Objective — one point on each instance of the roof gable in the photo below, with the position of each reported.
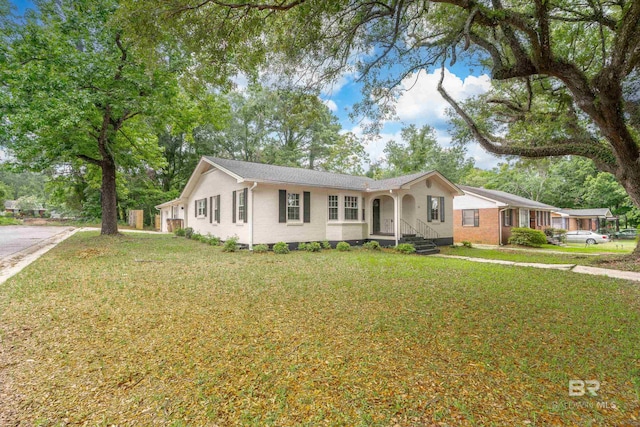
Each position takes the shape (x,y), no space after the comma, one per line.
(507,198)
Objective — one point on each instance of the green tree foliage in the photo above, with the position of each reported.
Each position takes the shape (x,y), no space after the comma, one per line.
(565,76)
(74,89)
(20,184)
(4,192)
(283,127)
(420,151)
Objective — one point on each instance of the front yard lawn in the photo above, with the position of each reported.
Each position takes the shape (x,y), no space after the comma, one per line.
(610,255)
(156,330)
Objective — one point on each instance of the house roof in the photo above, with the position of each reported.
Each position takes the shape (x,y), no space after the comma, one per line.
(507,198)
(590,213)
(259,172)
(13,205)
(173,202)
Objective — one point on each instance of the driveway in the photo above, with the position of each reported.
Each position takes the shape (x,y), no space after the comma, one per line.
(19,238)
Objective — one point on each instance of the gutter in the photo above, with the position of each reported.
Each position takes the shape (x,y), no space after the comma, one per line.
(255,184)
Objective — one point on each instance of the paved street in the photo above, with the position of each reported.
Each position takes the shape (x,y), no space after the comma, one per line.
(16,238)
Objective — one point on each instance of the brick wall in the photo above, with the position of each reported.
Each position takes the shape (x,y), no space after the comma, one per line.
(487,233)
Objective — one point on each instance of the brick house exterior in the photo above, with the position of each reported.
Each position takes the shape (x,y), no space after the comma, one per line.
(599,220)
(486,216)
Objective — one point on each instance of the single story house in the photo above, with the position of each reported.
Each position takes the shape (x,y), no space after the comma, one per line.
(266,204)
(487,216)
(11,207)
(600,219)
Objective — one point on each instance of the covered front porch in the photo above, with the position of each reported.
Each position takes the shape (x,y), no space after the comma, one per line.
(391,222)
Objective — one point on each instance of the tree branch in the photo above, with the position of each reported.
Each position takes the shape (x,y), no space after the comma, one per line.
(561,147)
(282,6)
(88,159)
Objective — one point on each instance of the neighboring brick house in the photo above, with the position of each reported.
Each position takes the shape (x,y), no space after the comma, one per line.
(487,216)
(600,220)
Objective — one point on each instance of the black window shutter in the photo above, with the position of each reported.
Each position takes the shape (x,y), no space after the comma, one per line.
(205,206)
(441,209)
(218,209)
(363,209)
(283,206)
(233,206)
(307,206)
(210,209)
(428,208)
(246,204)
(195,208)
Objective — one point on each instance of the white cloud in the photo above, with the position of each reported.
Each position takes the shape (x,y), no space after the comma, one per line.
(331,105)
(483,159)
(421,103)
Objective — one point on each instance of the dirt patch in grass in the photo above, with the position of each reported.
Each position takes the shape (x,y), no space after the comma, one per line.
(331,338)
(626,263)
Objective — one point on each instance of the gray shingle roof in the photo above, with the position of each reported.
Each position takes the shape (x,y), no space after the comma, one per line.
(598,212)
(507,198)
(290,175)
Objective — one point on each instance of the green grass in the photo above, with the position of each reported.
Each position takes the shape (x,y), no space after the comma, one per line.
(613,255)
(147,329)
(7,220)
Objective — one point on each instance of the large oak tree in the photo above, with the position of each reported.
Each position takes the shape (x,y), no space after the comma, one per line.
(73,88)
(565,72)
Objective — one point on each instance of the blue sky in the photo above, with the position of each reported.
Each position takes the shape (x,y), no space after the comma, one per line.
(420,104)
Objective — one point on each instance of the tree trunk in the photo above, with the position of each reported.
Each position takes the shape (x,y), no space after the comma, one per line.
(629,176)
(109,200)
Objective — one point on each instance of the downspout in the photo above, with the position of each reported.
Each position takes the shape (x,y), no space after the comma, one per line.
(500,225)
(255,184)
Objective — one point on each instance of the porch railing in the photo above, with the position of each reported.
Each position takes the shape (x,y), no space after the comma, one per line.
(407,229)
(425,231)
(387,227)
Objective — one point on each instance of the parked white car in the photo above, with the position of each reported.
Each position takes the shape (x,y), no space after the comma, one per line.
(586,236)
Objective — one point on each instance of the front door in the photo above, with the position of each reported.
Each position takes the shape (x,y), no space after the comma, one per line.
(376,216)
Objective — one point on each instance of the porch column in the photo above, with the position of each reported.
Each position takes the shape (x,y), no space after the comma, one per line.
(396,216)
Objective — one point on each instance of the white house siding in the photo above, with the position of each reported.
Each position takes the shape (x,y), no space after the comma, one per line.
(211,184)
(420,191)
(469,201)
(268,229)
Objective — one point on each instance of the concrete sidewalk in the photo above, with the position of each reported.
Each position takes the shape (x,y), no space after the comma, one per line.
(595,271)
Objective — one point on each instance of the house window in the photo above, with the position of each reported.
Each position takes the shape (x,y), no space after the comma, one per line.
(333,208)
(216,211)
(350,207)
(201,208)
(435,208)
(470,218)
(524,218)
(507,218)
(242,211)
(293,206)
